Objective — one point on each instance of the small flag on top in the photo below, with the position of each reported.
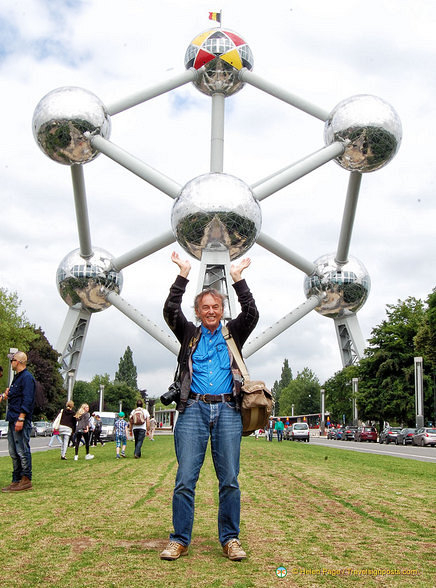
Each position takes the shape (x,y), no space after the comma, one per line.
(215,16)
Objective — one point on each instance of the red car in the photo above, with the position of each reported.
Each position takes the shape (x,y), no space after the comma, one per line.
(366,434)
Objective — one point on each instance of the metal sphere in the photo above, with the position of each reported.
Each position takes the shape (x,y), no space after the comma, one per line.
(61,120)
(219,55)
(345,286)
(370,128)
(216,210)
(80,280)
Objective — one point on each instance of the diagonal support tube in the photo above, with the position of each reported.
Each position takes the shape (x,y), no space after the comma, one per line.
(81,206)
(188,75)
(286,254)
(122,261)
(348,217)
(151,328)
(258,82)
(136,166)
(296,171)
(281,325)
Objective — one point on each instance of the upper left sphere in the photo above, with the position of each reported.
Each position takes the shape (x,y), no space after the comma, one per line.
(61,120)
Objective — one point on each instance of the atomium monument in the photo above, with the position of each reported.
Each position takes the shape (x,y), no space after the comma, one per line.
(215,217)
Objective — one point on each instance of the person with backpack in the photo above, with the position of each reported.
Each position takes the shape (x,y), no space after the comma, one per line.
(139,423)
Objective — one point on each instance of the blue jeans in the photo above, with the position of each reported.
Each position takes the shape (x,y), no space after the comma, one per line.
(19,450)
(222,423)
(279,434)
(139,435)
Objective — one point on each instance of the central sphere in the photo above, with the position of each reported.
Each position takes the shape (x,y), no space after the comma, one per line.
(219,55)
(80,280)
(216,211)
(345,286)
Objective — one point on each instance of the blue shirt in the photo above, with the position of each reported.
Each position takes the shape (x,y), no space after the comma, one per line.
(211,364)
(21,397)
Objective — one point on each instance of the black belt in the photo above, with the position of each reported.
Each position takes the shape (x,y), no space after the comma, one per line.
(209,398)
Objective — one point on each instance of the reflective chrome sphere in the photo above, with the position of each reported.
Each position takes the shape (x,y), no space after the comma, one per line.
(80,280)
(61,120)
(216,210)
(346,286)
(222,54)
(370,128)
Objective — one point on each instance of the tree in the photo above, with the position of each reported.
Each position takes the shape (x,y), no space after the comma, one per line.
(386,373)
(15,329)
(338,395)
(303,392)
(127,370)
(43,363)
(285,379)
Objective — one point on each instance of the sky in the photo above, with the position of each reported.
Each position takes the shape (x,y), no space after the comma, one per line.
(322,51)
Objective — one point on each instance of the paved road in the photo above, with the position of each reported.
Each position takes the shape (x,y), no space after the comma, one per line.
(427,454)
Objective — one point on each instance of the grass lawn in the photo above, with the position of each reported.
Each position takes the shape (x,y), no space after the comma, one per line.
(330,517)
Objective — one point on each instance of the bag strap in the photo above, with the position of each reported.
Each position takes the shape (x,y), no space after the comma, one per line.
(236,353)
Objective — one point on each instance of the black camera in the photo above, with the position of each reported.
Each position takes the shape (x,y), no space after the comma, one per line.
(173,394)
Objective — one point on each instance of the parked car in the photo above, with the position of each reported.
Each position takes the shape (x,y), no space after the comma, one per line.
(33,432)
(389,435)
(334,433)
(4,426)
(366,434)
(298,432)
(43,428)
(405,436)
(424,436)
(348,433)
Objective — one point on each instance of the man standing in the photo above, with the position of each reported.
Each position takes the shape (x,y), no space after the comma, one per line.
(278,427)
(21,400)
(139,424)
(208,406)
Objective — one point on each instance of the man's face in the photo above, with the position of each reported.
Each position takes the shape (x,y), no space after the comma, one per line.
(210,311)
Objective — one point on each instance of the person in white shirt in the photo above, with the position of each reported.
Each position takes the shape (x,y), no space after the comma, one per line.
(139,425)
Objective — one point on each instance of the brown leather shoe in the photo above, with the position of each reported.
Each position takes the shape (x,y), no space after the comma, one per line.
(173,551)
(233,550)
(9,488)
(24,484)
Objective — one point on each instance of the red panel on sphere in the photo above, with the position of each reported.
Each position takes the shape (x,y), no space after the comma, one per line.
(236,40)
(202,58)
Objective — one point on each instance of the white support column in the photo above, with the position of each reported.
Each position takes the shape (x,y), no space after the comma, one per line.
(71,341)
(217,134)
(215,273)
(350,339)
(322,424)
(348,217)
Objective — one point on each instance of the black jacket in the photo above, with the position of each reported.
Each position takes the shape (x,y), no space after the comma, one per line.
(189,334)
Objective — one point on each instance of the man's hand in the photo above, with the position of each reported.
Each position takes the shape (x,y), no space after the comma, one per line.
(184,266)
(237,269)
(19,426)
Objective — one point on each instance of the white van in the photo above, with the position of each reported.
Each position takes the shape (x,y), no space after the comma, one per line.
(107,425)
(300,432)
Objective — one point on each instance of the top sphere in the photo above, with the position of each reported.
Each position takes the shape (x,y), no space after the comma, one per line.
(220,55)
(370,129)
(216,211)
(61,120)
(345,286)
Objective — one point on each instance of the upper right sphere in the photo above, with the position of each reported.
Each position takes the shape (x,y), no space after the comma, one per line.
(369,127)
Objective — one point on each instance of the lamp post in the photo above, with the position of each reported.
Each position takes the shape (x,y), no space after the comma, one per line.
(419,393)
(101,400)
(322,425)
(355,386)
